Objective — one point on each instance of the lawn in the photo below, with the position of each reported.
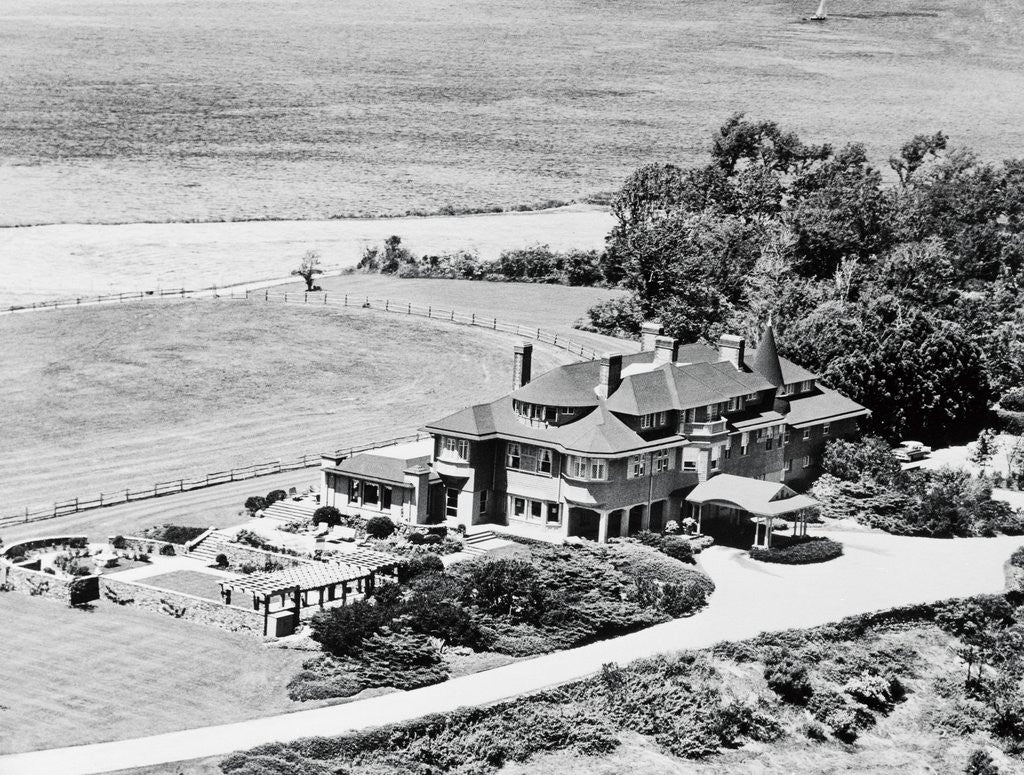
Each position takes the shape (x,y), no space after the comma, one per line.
(148,110)
(70,677)
(190,582)
(105,398)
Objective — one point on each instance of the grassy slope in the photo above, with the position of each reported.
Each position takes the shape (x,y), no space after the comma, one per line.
(70,677)
(108,397)
(154,110)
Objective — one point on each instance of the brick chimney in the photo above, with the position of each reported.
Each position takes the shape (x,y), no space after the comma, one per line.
(732,348)
(611,375)
(522,361)
(649,332)
(666,349)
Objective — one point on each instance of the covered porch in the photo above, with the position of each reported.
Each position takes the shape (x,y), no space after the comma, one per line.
(765,503)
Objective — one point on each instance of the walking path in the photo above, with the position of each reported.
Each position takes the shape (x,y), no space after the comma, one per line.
(877,571)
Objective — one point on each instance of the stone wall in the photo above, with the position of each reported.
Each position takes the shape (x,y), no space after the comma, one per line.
(181,606)
(52,587)
(148,546)
(239,554)
(46,542)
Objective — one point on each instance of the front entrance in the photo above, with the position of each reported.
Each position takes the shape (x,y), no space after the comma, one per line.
(657,521)
(636,519)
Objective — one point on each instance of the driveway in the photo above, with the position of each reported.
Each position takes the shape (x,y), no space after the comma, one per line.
(877,571)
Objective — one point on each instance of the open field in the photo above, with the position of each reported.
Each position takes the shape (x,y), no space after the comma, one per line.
(226,109)
(104,398)
(70,677)
(55,262)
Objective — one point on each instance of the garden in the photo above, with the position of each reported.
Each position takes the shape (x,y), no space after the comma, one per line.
(542,599)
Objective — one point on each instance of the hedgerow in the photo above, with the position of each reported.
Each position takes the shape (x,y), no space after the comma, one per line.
(800,552)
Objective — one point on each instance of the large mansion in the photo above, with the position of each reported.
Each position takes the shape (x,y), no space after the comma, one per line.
(613,446)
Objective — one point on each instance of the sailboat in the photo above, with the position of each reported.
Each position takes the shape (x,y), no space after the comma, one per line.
(819,15)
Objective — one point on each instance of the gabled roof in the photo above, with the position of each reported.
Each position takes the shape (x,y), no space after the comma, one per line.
(683,386)
(822,405)
(571,385)
(766,499)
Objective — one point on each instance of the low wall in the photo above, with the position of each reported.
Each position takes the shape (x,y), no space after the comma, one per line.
(45,542)
(240,554)
(181,606)
(70,591)
(148,546)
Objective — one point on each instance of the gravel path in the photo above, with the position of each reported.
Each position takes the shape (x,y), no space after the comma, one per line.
(877,571)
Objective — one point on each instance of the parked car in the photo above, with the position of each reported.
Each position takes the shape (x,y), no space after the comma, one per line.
(909,451)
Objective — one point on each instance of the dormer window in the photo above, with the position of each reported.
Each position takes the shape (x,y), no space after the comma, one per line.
(653,420)
(735,404)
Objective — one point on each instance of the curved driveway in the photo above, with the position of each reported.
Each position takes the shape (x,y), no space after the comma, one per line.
(877,571)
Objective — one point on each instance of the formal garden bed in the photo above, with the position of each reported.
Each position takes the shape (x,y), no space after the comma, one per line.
(803,550)
(548,598)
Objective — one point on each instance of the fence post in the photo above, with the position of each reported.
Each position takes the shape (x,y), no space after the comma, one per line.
(305,297)
(346,300)
(409,311)
(127,496)
(555,343)
(387,303)
(78,300)
(429,309)
(325,299)
(76,505)
(495,326)
(453,316)
(538,334)
(266,294)
(472,319)
(101,499)
(181,485)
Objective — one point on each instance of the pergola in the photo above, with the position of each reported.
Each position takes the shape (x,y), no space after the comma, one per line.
(328,581)
(764,501)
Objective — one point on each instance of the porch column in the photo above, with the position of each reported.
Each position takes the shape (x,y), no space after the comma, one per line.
(700,515)
(624,523)
(768,533)
(602,528)
(645,520)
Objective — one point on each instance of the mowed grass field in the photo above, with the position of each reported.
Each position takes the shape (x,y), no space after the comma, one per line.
(162,110)
(107,397)
(69,677)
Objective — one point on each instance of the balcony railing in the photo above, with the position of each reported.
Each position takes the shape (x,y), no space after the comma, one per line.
(712,428)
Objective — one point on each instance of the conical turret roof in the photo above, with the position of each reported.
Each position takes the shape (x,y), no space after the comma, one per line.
(766,360)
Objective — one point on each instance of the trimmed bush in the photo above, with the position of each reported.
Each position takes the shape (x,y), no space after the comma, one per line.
(801,552)
(677,547)
(1012,400)
(222,560)
(119,542)
(174,534)
(327,515)
(255,503)
(432,540)
(379,527)
(419,564)
(167,550)
(415,538)
(276,495)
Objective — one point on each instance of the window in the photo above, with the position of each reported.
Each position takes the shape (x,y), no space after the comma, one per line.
(768,444)
(690,415)
(744,443)
(807,461)
(662,461)
(734,404)
(353,490)
(371,493)
(514,456)
(785,437)
(553,514)
(451,502)
(544,461)
(587,468)
(761,433)
(806,434)
(689,458)
(455,448)
(716,456)
(483,501)
(566,410)
(385,498)
(751,396)
(637,466)
(653,420)
(519,507)
(826,428)
(789,464)
(536,509)
(550,414)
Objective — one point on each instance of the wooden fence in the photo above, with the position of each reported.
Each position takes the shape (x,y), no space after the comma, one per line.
(322,298)
(107,299)
(160,489)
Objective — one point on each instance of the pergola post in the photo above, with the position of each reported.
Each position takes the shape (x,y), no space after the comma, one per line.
(700,514)
(321,598)
(266,612)
(298,607)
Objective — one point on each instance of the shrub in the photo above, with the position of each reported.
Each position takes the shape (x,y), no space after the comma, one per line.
(327,515)
(119,542)
(834,711)
(276,495)
(255,503)
(142,557)
(676,547)
(167,550)
(641,562)
(247,568)
(800,552)
(342,630)
(403,660)
(173,534)
(420,564)
(222,560)
(1017,558)
(876,692)
(432,540)
(980,763)
(682,599)
(788,678)
(379,527)
(415,538)
(249,538)
(50,571)
(1012,400)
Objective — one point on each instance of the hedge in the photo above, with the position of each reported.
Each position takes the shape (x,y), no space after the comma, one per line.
(803,552)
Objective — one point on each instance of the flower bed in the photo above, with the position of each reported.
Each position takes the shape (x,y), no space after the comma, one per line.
(800,552)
